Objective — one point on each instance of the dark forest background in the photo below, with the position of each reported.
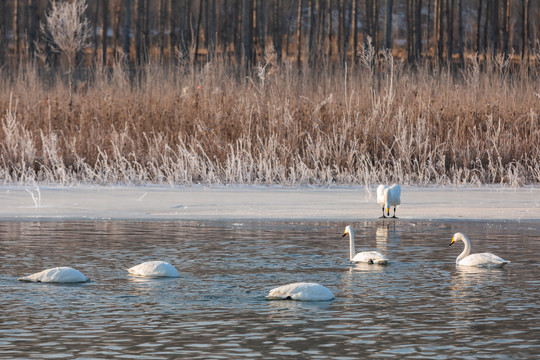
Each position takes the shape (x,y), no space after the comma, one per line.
(309,32)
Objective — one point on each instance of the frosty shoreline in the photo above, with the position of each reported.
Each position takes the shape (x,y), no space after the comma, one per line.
(263,203)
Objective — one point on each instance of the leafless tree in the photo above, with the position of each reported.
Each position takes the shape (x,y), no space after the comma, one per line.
(68,31)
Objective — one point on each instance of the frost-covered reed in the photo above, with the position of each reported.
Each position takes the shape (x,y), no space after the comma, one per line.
(376,121)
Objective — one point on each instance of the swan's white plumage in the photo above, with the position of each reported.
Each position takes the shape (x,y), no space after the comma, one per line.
(61,274)
(154,269)
(392,197)
(301,291)
(479,259)
(380,196)
(372,257)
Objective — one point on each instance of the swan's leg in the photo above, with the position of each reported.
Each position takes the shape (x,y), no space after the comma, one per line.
(394,213)
(370,261)
(382,217)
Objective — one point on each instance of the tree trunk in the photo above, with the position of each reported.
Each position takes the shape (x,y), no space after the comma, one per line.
(341,20)
(525,30)
(312,53)
(197,31)
(127,28)
(486,23)
(299,33)
(3,34)
(186,37)
(116,27)
(245,34)
(356,19)
(479,25)
(375,25)
(409,21)
(347,13)
(104,21)
(428,28)
(277,29)
(495,26)
(16,28)
(161,17)
(32,31)
(138,31)
(237,41)
(173,39)
(418,30)
(261,14)
(388,40)
(330,24)
(321,30)
(146,31)
(449,30)
(506,25)
(460,33)
(441,31)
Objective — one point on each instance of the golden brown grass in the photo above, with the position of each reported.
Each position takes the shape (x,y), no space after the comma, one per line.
(360,125)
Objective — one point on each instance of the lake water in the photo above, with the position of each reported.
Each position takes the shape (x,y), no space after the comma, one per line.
(419,306)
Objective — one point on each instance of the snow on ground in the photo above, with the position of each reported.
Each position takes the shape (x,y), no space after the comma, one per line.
(263,203)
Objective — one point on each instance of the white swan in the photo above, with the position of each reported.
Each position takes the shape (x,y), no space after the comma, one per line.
(480,259)
(62,274)
(380,197)
(391,197)
(301,291)
(154,269)
(370,257)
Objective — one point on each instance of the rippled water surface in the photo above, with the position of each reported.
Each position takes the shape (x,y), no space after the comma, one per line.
(419,306)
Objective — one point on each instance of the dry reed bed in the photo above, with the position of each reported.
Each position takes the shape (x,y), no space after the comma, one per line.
(360,125)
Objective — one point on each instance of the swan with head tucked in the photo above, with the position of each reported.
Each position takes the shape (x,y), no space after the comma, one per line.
(380,197)
(301,291)
(370,257)
(154,269)
(479,259)
(63,274)
(391,197)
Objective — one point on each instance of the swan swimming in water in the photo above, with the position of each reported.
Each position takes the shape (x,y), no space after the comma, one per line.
(301,291)
(154,269)
(480,259)
(61,274)
(370,257)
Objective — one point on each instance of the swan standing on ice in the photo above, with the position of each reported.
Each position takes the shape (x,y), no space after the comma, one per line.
(154,269)
(480,259)
(301,291)
(380,197)
(370,257)
(391,197)
(62,274)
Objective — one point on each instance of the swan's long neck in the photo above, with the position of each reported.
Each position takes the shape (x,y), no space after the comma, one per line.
(351,244)
(467,250)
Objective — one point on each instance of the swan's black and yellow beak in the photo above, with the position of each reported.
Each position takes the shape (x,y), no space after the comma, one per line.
(451,242)
(345,233)
(387,211)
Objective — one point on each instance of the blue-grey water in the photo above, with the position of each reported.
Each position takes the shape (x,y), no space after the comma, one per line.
(419,306)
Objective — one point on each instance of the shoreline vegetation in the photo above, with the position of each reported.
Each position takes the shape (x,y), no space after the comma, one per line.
(329,106)
(380,120)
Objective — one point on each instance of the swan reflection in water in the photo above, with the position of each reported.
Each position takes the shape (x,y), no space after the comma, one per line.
(386,234)
(470,289)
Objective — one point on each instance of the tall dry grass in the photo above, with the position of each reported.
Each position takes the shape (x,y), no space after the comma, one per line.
(376,121)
